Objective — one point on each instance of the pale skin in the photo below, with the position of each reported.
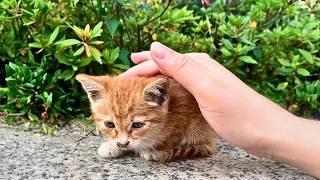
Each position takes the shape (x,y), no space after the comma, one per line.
(238,114)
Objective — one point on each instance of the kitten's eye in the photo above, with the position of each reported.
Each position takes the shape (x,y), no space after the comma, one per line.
(109,124)
(137,125)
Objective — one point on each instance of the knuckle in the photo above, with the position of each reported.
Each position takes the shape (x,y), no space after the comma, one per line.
(183,62)
(198,55)
(205,55)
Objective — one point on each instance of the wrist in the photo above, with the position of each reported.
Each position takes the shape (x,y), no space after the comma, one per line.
(296,144)
(270,124)
(274,136)
(282,138)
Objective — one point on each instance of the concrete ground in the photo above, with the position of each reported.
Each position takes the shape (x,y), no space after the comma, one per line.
(27,155)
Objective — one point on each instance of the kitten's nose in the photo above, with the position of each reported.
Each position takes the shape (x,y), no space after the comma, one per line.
(123,143)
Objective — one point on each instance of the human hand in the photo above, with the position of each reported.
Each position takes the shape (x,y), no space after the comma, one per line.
(236,112)
(231,108)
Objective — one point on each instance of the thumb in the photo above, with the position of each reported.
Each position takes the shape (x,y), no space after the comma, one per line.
(180,67)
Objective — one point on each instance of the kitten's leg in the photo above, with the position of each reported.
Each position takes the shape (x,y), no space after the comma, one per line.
(109,150)
(184,152)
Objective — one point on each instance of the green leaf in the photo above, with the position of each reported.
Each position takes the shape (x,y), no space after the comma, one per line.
(31,58)
(112,26)
(28,85)
(124,54)
(45,128)
(3,91)
(303,72)
(96,54)
(282,86)
(248,59)
(79,51)
(62,59)
(307,55)
(226,52)
(33,117)
(84,61)
(227,44)
(35,45)
(9,51)
(121,66)
(284,62)
(75,68)
(67,42)
(257,52)
(120,2)
(96,42)
(295,61)
(96,30)
(87,48)
(66,75)
(54,35)
(13,66)
(115,54)
(75,2)
(10,119)
(49,100)
(78,31)
(28,23)
(106,56)
(86,31)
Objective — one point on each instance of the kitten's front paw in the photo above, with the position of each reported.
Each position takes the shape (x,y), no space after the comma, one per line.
(161,156)
(147,156)
(106,150)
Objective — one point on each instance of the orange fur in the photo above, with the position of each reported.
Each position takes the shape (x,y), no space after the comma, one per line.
(173,127)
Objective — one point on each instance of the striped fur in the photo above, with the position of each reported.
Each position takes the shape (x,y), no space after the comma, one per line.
(184,152)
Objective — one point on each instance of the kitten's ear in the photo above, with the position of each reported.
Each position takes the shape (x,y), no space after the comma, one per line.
(92,86)
(157,93)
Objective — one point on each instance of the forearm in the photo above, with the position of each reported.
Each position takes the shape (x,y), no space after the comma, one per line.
(297,144)
(284,137)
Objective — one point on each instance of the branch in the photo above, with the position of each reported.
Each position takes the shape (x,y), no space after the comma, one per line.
(165,9)
(148,22)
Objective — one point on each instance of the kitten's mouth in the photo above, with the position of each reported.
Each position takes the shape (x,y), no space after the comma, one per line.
(125,148)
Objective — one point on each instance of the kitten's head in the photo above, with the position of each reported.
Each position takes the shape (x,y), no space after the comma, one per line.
(129,111)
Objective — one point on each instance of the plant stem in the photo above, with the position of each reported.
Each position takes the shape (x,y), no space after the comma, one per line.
(208,23)
(148,22)
(165,9)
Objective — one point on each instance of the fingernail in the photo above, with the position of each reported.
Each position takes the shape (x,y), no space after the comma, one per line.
(133,54)
(159,50)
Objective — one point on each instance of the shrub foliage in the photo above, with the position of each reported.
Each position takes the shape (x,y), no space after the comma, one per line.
(273,45)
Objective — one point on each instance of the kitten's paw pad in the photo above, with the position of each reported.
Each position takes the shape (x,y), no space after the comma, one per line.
(107,151)
(147,156)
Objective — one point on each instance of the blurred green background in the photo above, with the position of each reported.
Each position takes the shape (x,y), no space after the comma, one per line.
(272,45)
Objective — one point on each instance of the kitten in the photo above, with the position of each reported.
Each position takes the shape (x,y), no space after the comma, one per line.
(155,117)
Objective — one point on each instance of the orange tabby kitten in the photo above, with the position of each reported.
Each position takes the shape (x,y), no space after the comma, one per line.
(155,117)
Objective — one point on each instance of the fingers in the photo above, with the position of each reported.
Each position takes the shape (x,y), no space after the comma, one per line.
(198,55)
(148,69)
(140,57)
(182,68)
(144,69)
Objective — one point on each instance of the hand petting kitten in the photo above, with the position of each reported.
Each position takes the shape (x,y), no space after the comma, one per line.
(236,112)
(159,119)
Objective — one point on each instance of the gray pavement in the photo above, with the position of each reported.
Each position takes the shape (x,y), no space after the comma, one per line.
(28,155)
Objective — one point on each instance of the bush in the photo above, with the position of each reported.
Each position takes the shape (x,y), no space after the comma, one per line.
(273,45)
